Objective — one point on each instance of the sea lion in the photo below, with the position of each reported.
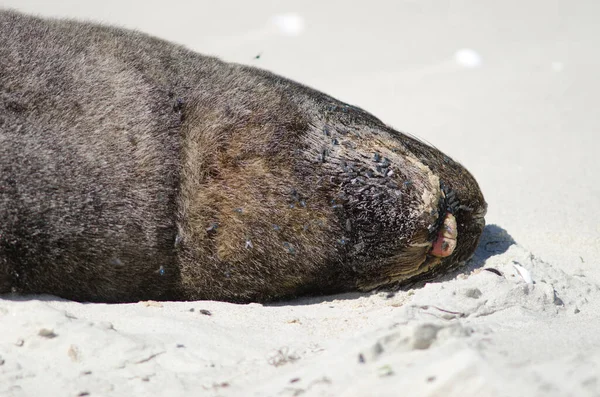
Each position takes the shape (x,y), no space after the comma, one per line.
(133,168)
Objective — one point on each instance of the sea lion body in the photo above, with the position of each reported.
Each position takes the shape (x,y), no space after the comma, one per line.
(132,168)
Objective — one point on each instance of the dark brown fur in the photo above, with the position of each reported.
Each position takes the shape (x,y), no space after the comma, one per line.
(133,168)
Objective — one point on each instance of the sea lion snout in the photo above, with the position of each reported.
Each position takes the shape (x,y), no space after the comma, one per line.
(429,220)
(464,220)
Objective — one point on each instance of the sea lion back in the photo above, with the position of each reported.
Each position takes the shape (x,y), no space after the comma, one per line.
(88,155)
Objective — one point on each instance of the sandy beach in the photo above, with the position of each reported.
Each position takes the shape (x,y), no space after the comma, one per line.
(506,88)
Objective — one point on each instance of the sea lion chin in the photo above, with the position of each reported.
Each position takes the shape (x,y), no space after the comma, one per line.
(135,169)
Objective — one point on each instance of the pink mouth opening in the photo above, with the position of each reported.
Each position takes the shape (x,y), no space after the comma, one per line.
(445,243)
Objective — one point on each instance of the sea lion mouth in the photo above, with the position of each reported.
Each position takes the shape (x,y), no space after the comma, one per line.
(445,242)
(444,232)
(447,238)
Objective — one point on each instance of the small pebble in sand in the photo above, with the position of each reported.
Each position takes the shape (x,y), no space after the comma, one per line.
(474,293)
(384,371)
(47,333)
(205,312)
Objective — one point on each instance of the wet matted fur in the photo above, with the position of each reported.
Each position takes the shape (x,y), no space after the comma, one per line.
(133,168)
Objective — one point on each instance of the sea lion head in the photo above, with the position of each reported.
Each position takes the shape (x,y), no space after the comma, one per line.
(298,193)
(408,210)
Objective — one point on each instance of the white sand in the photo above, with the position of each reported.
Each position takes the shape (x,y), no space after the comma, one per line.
(507,88)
